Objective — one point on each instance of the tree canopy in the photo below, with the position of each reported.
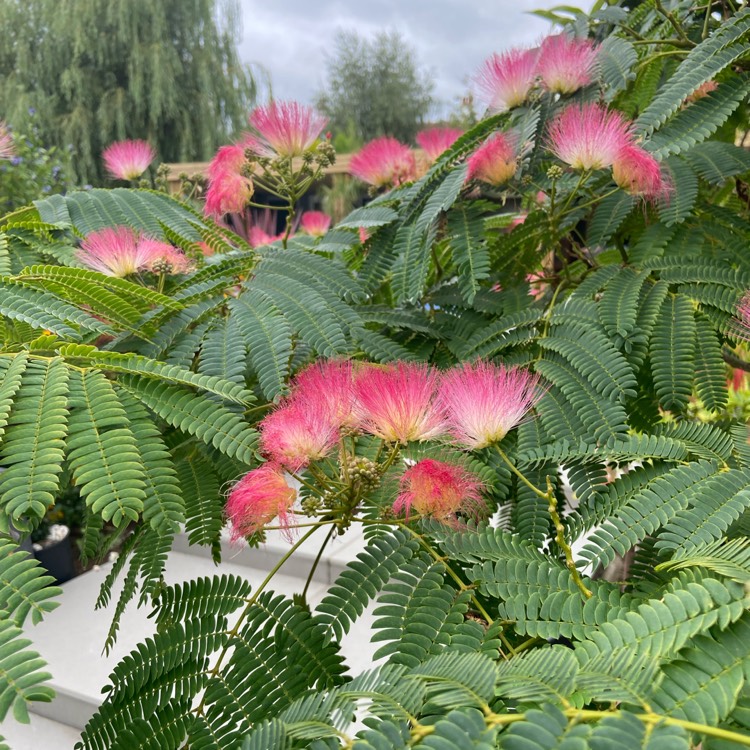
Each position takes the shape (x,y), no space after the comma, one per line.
(96,71)
(376,87)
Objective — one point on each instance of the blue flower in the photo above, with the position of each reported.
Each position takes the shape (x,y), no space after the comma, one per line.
(16,160)
(32,111)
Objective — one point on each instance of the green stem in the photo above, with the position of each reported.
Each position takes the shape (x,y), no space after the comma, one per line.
(584,176)
(674,23)
(317,560)
(588,203)
(549,496)
(251,602)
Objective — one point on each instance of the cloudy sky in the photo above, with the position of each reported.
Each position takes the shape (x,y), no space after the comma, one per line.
(291,38)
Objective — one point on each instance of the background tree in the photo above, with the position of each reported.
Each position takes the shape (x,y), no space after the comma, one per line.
(376,87)
(97,71)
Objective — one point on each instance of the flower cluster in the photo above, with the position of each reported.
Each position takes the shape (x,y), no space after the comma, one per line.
(561,64)
(471,406)
(384,162)
(128,160)
(590,136)
(121,251)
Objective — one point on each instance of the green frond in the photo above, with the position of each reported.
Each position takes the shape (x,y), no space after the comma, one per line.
(206,419)
(363,578)
(618,307)
(442,197)
(201,597)
(544,675)
(608,217)
(704,62)
(380,348)
(716,162)
(616,59)
(368,217)
(698,121)
(702,684)
(672,350)
(102,451)
(678,204)
(21,676)
(268,336)
(419,615)
(204,504)
(729,558)
(224,352)
(379,258)
(24,586)
(143,367)
(506,331)
(646,511)
(466,240)
(33,446)
(412,262)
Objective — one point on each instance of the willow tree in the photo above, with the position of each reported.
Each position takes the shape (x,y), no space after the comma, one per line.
(101,70)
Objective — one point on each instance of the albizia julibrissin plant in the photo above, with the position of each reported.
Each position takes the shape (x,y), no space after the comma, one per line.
(508,374)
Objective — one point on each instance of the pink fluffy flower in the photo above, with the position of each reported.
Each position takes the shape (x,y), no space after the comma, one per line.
(434,141)
(384,162)
(639,173)
(364,235)
(396,402)
(483,401)
(128,160)
(506,80)
(7,148)
(327,387)
(589,136)
(229,189)
(566,64)
(286,128)
(495,161)
(164,257)
(315,223)
(741,327)
(438,489)
(294,435)
(259,497)
(259,237)
(120,251)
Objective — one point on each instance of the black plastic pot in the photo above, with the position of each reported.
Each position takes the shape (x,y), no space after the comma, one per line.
(57,558)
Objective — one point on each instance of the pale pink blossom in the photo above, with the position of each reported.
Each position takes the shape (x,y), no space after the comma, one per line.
(440,490)
(7,149)
(165,257)
(229,188)
(483,401)
(434,141)
(505,81)
(537,284)
(294,435)
(384,162)
(327,387)
(364,235)
(120,251)
(566,64)
(315,223)
(258,237)
(589,136)
(128,160)
(396,402)
(637,172)
(702,91)
(285,128)
(495,161)
(260,496)
(741,322)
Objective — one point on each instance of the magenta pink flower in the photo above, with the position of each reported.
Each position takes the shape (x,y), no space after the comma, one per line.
(483,401)
(7,149)
(326,387)
(384,162)
(396,402)
(229,189)
(589,136)
(364,235)
(566,64)
(259,497)
(120,251)
(434,141)
(164,257)
(437,489)
(506,80)
(495,161)
(639,173)
(128,160)
(259,237)
(315,223)
(294,435)
(285,128)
